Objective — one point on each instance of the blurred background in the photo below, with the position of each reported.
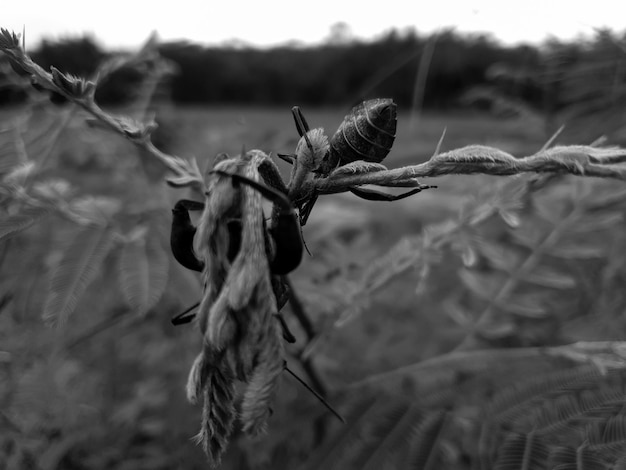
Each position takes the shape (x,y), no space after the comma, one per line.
(106,389)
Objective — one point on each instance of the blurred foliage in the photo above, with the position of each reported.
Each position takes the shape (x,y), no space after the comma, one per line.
(106,389)
(433,316)
(579,84)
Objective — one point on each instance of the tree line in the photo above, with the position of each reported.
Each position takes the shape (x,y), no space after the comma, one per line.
(343,73)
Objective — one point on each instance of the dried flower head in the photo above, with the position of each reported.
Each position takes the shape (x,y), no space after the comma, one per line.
(241,338)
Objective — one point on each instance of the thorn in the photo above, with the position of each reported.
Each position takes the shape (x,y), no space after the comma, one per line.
(438,148)
(289,158)
(180,319)
(553,138)
(304,243)
(317,395)
(599,141)
(302,126)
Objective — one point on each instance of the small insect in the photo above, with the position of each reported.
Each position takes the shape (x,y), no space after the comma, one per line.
(366,133)
(285,240)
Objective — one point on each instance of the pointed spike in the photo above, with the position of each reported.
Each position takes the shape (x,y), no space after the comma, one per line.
(181,319)
(287,158)
(553,138)
(316,395)
(304,243)
(301,125)
(599,141)
(443,134)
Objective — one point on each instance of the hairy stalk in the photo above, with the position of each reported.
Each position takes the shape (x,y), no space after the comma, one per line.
(576,159)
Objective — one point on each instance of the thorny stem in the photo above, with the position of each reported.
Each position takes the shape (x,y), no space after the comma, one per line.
(577,159)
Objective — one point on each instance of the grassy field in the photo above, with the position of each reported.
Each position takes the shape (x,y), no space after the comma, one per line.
(204,131)
(85,397)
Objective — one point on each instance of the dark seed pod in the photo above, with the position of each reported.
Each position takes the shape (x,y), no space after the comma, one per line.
(366,133)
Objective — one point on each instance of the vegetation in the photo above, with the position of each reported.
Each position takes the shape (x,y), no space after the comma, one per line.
(545,79)
(487,338)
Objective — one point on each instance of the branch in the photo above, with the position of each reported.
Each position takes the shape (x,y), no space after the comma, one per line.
(575,159)
(81,92)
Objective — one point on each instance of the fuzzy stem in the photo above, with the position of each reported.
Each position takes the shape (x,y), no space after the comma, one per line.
(577,159)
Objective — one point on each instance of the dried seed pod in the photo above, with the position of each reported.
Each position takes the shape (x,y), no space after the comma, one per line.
(366,133)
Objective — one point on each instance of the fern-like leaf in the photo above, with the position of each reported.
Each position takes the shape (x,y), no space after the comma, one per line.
(397,442)
(331,455)
(15,224)
(515,402)
(609,437)
(143,272)
(522,452)
(578,409)
(425,449)
(582,458)
(374,434)
(79,265)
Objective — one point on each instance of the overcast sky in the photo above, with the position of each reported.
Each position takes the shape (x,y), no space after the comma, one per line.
(127,23)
